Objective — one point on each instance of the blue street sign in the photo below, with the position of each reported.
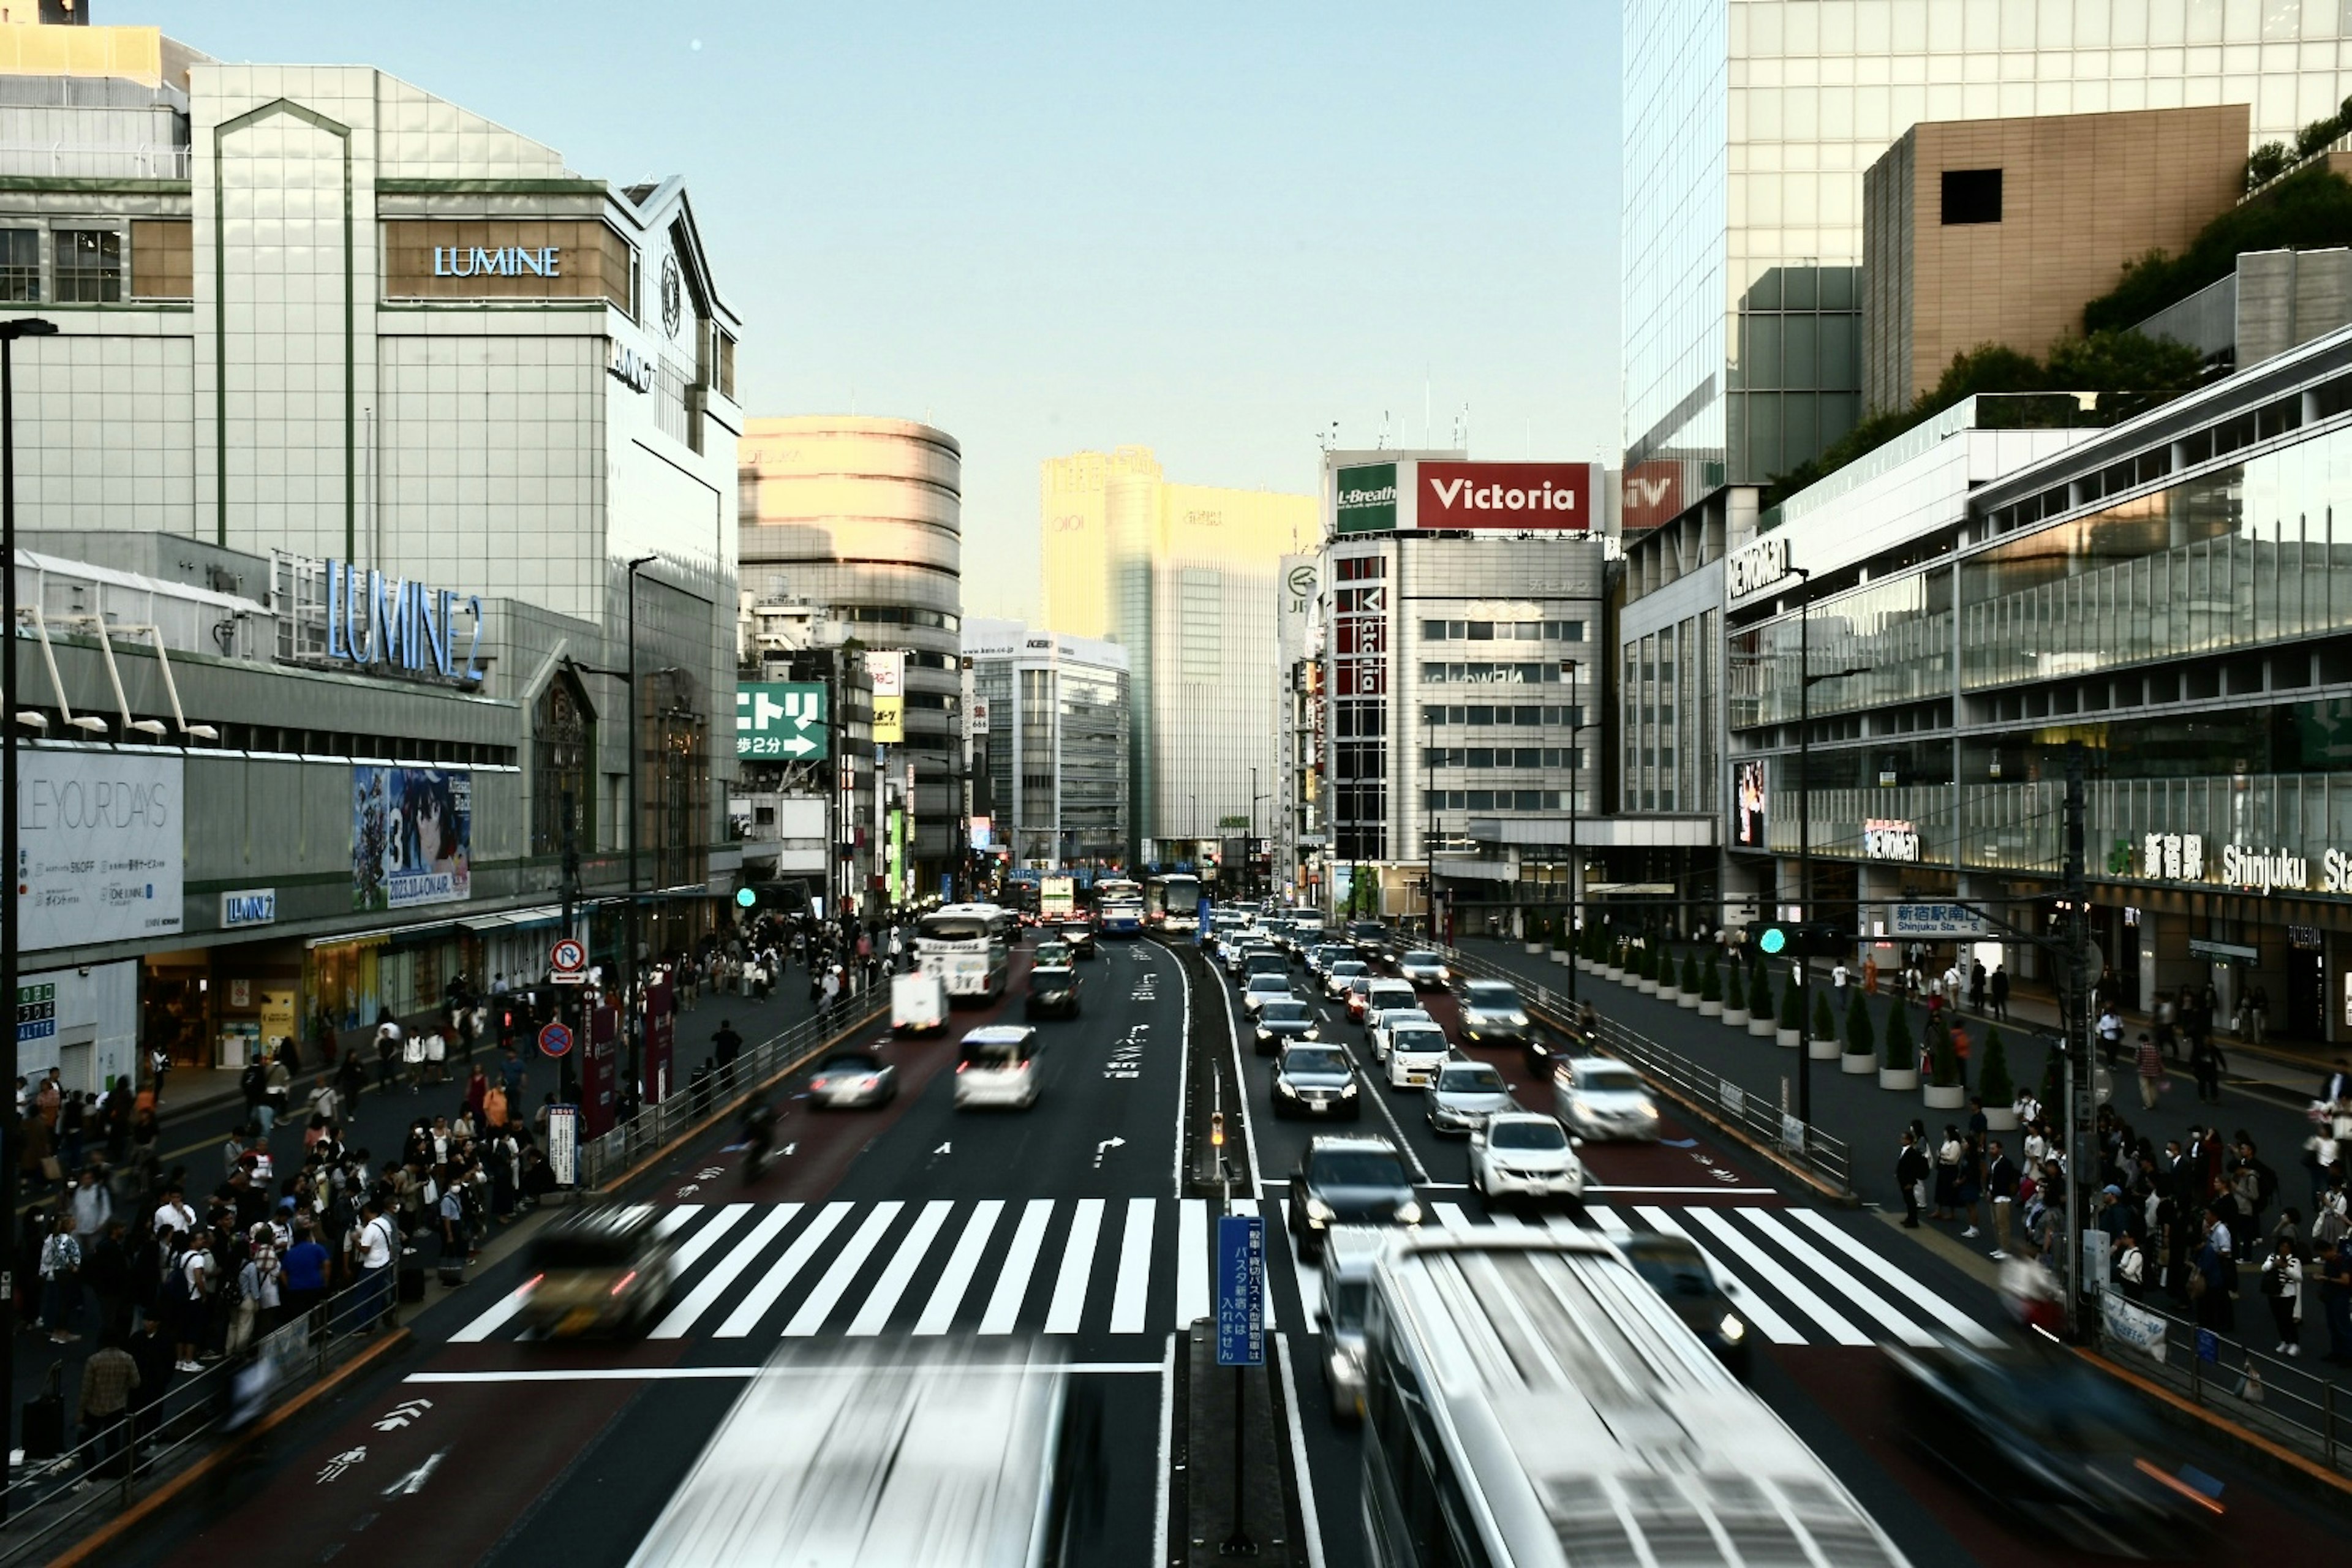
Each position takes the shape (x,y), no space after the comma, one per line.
(2208,1346)
(1202,909)
(1241,1290)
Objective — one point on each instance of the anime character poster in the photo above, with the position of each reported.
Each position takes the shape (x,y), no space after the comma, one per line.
(412,837)
(1748,795)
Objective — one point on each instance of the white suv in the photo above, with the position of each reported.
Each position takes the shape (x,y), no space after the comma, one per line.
(1415,1055)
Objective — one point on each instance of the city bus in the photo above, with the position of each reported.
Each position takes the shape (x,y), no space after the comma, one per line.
(950,1455)
(1172,900)
(968,947)
(1119,903)
(1529,1399)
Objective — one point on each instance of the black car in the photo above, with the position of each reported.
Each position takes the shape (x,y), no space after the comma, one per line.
(1280,1022)
(1316,1081)
(1081,937)
(1350,1180)
(2038,1432)
(1053,990)
(1680,1272)
(1492,1014)
(1372,941)
(1266,961)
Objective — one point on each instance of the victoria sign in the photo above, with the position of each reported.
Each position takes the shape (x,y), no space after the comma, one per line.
(1504,495)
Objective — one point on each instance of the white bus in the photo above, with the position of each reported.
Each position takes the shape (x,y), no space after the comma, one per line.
(968,947)
(841,1458)
(1173,901)
(1529,1400)
(1119,903)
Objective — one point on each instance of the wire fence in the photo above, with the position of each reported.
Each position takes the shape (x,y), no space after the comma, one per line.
(69,1492)
(2270,1395)
(603,1159)
(1755,1115)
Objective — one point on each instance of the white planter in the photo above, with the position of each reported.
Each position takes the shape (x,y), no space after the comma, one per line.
(1786,1039)
(1587,965)
(1611,971)
(1735,1017)
(1823,1050)
(1689,999)
(2001,1118)
(1762,1026)
(1707,1009)
(1939,1098)
(1646,987)
(1560,956)
(1533,947)
(1904,1080)
(1858,1063)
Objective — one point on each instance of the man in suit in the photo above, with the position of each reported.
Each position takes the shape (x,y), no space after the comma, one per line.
(2001,1186)
(1911,1169)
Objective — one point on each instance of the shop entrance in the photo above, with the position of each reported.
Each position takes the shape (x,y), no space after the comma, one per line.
(2306,994)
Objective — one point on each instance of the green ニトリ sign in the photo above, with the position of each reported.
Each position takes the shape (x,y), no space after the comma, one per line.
(1367,499)
(784,722)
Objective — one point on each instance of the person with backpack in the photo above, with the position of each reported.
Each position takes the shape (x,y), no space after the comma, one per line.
(387,1051)
(2282,1286)
(187,1291)
(60,1279)
(375,1252)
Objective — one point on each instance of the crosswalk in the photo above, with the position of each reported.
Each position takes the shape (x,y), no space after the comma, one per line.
(1130,1266)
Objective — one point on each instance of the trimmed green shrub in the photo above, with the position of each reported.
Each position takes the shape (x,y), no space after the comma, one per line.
(1710,985)
(1824,1020)
(1859,1039)
(1993,1084)
(1902,1041)
(1690,972)
(1944,1061)
(1790,1019)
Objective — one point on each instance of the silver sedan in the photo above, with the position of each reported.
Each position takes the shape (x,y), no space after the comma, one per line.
(848,1080)
(1463,1096)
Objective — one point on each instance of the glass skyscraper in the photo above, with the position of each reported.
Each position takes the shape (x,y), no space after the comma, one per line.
(1747,125)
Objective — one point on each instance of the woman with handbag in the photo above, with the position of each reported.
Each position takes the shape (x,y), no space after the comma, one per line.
(2282,1285)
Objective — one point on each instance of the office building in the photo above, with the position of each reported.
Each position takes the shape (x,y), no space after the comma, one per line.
(1055,749)
(1997,231)
(1183,577)
(1748,127)
(454,417)
(864,518)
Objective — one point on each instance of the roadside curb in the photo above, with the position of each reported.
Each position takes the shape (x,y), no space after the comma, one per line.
(2283,1463)
(169,1491)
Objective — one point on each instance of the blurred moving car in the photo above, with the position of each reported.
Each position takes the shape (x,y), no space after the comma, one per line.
(1054,952)
(1371,939)
(1492,1014)
(1323,955)
(1356,993)
(1283,1021)
(2039,1433)
(1053,989)
(1464,1095)
(1262,960)
(1416,1053)
(1315,1080)
(919,1003)
(1526,1155)
(1676,1269)
(1080,936)
(1389,1020)
(997,1066)
(1602,1098)
(1340,971)
(1260,989)
(601,1271)
(847,1081)
(1384,994)
(1424,970)
(1349,1254)
(1353,1179)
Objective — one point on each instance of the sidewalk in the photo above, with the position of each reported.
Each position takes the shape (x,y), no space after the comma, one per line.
(197,1122)
(1853,1107)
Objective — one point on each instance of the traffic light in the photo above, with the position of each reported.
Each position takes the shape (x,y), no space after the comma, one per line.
(1794,939)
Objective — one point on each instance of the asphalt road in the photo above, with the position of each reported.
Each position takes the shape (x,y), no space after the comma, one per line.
(1064,1222)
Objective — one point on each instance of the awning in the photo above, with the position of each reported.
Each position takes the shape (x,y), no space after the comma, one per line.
(384,933)
(546,915)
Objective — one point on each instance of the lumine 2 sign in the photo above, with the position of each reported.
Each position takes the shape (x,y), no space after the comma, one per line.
(398,624)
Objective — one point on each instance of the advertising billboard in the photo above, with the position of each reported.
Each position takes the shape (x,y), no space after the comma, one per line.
(888,671)
(1748,795)
(1504,495)
(784,720)
(98,855)
(1366,498)
(412,837)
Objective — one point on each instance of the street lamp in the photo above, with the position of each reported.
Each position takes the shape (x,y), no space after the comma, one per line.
(636,766)
(10,915)
(1806,681)
(1576,727)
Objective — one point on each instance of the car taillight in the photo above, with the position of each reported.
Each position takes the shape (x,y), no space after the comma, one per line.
(532,1283)
(625,1281)
(820,1085)
(960,1066)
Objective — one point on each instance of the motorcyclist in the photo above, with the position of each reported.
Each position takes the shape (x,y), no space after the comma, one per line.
(759,1134)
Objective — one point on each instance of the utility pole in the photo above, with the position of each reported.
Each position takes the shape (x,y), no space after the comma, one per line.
(2081,1156)
(1806,681)
(1429,826)
(1568,667)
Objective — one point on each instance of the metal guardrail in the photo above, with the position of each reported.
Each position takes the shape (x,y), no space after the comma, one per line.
(1754,1116)
(2271,1396)
(654,1127)
(75,1491)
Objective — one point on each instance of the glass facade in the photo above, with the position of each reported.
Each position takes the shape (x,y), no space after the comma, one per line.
(1749,125)
(1056,756)
(1669,716)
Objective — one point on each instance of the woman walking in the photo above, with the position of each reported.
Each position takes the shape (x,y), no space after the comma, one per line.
(2282,1283)
(1947,1173)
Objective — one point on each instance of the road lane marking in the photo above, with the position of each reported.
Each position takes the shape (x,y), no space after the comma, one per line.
(940,1311)
(679,1216)
(709,1235)
(1134,1267)
(1374,1087)
(1604,1220)
(1183,1077)
(1917,1294)
(1191,1262)
(821,1302)
(874,1315)
(1308,1517)
(1247,1208)
(772,1285)
(1450,1215)
(497,1317)
(1167,1439)
(716,1373)
(1241,1087)
(1794,1290)
(1012,1280)
(1771,1224)
(1776,1329)
(1308,1281)
(1673,1192)
(1069,1302)
(706,1291)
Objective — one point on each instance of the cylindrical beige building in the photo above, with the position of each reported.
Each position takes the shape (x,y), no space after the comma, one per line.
(865,517)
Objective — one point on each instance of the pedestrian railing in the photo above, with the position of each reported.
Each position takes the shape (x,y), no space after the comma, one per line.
(2273,1397)
(1755,1115)
(604,1159)
(63,1496)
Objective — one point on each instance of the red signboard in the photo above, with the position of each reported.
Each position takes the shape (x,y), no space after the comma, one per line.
(661,1032)
(1652,494)
(600,1072)
(1505,495)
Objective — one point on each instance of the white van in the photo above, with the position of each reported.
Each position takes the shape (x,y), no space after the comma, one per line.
(997,1066)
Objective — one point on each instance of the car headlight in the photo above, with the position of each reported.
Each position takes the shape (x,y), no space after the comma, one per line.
(1646,1106)
(1264,1033)
(1409,1212)
(1283,1084)
(1519,1020)
(1734,1330)
(1318,1210)
(1313,1033)
(1347,1089)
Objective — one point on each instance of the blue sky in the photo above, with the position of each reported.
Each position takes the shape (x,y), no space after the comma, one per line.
(1212,230)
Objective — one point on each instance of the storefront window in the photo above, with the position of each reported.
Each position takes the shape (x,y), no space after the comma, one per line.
(564,743)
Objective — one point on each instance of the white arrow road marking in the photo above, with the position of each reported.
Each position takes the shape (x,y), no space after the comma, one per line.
(401,1415)
(414,1482)
(1107,1144)
(944,1147)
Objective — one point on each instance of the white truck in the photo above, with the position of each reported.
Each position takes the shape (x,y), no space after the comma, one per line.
(919,1003)
(1057,900)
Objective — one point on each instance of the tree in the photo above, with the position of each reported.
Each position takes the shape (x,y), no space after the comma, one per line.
(1710,987)
(1993,1085)
(1790,1019)
(1735,992)
(1902,1041)
(1945,1061)
(1690,972)
(1824,1020)
(2308,210)
(1859,1039)
(2266,163)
